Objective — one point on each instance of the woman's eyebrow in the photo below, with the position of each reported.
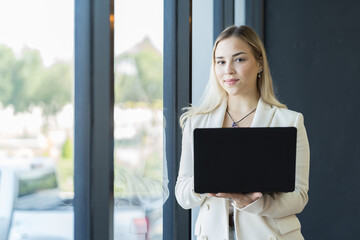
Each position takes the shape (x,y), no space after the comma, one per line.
(237,54)
(234,55)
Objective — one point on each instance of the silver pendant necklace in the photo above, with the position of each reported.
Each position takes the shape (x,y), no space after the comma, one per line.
(234,125)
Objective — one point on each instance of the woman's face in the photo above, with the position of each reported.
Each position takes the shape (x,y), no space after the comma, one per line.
(236,67)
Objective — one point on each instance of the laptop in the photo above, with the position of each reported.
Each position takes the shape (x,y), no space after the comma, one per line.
(233,160)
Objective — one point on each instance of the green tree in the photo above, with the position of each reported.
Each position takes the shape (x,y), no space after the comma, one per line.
(149,63)
(23,73)
(54,88)
(25,82)
(26,74)
(66,150)
(139,74)
(7,63)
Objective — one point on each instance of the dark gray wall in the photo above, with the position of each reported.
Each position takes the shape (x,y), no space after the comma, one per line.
(314,55)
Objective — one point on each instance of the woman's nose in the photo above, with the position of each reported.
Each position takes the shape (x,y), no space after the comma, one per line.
(229,69)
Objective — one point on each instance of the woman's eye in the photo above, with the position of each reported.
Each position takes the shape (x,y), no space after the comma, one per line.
(220,62)
(239,59)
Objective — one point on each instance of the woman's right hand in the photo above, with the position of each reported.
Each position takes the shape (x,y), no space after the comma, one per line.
(241,199)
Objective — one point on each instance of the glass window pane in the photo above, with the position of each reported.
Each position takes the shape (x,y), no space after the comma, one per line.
(36,112)
(140,172)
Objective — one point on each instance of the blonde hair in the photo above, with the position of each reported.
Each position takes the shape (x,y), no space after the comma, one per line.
(214,94)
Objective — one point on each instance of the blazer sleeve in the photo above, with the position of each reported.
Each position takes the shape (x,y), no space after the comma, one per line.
(184,188)
(284,204)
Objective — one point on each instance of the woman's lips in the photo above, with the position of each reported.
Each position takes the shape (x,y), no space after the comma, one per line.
(231,81)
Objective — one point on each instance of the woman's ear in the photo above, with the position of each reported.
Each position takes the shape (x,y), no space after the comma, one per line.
(260,64)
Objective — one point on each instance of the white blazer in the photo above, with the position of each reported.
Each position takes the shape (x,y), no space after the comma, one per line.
(270,216)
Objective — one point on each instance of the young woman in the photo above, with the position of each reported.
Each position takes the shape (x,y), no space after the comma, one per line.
(240,94)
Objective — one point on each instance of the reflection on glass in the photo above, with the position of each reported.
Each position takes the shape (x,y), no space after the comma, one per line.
(140,171)
(36,114)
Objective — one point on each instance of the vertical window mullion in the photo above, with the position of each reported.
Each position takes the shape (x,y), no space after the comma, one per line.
(223,15)
(94,100)
(177,94)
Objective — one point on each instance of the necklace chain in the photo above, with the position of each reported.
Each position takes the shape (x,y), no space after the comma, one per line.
(234,125)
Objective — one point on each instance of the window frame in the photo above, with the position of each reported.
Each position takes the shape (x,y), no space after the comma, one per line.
(177,94)
(94,106)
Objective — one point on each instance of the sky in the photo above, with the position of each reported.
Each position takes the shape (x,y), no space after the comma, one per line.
(48,25)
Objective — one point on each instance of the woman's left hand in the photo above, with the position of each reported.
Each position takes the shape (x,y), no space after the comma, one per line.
(241,199)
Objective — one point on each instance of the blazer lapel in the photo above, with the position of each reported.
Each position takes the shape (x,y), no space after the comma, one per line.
(263,115)
(216,118)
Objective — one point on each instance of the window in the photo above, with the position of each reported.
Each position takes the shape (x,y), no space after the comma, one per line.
(36,111)
(140,184)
